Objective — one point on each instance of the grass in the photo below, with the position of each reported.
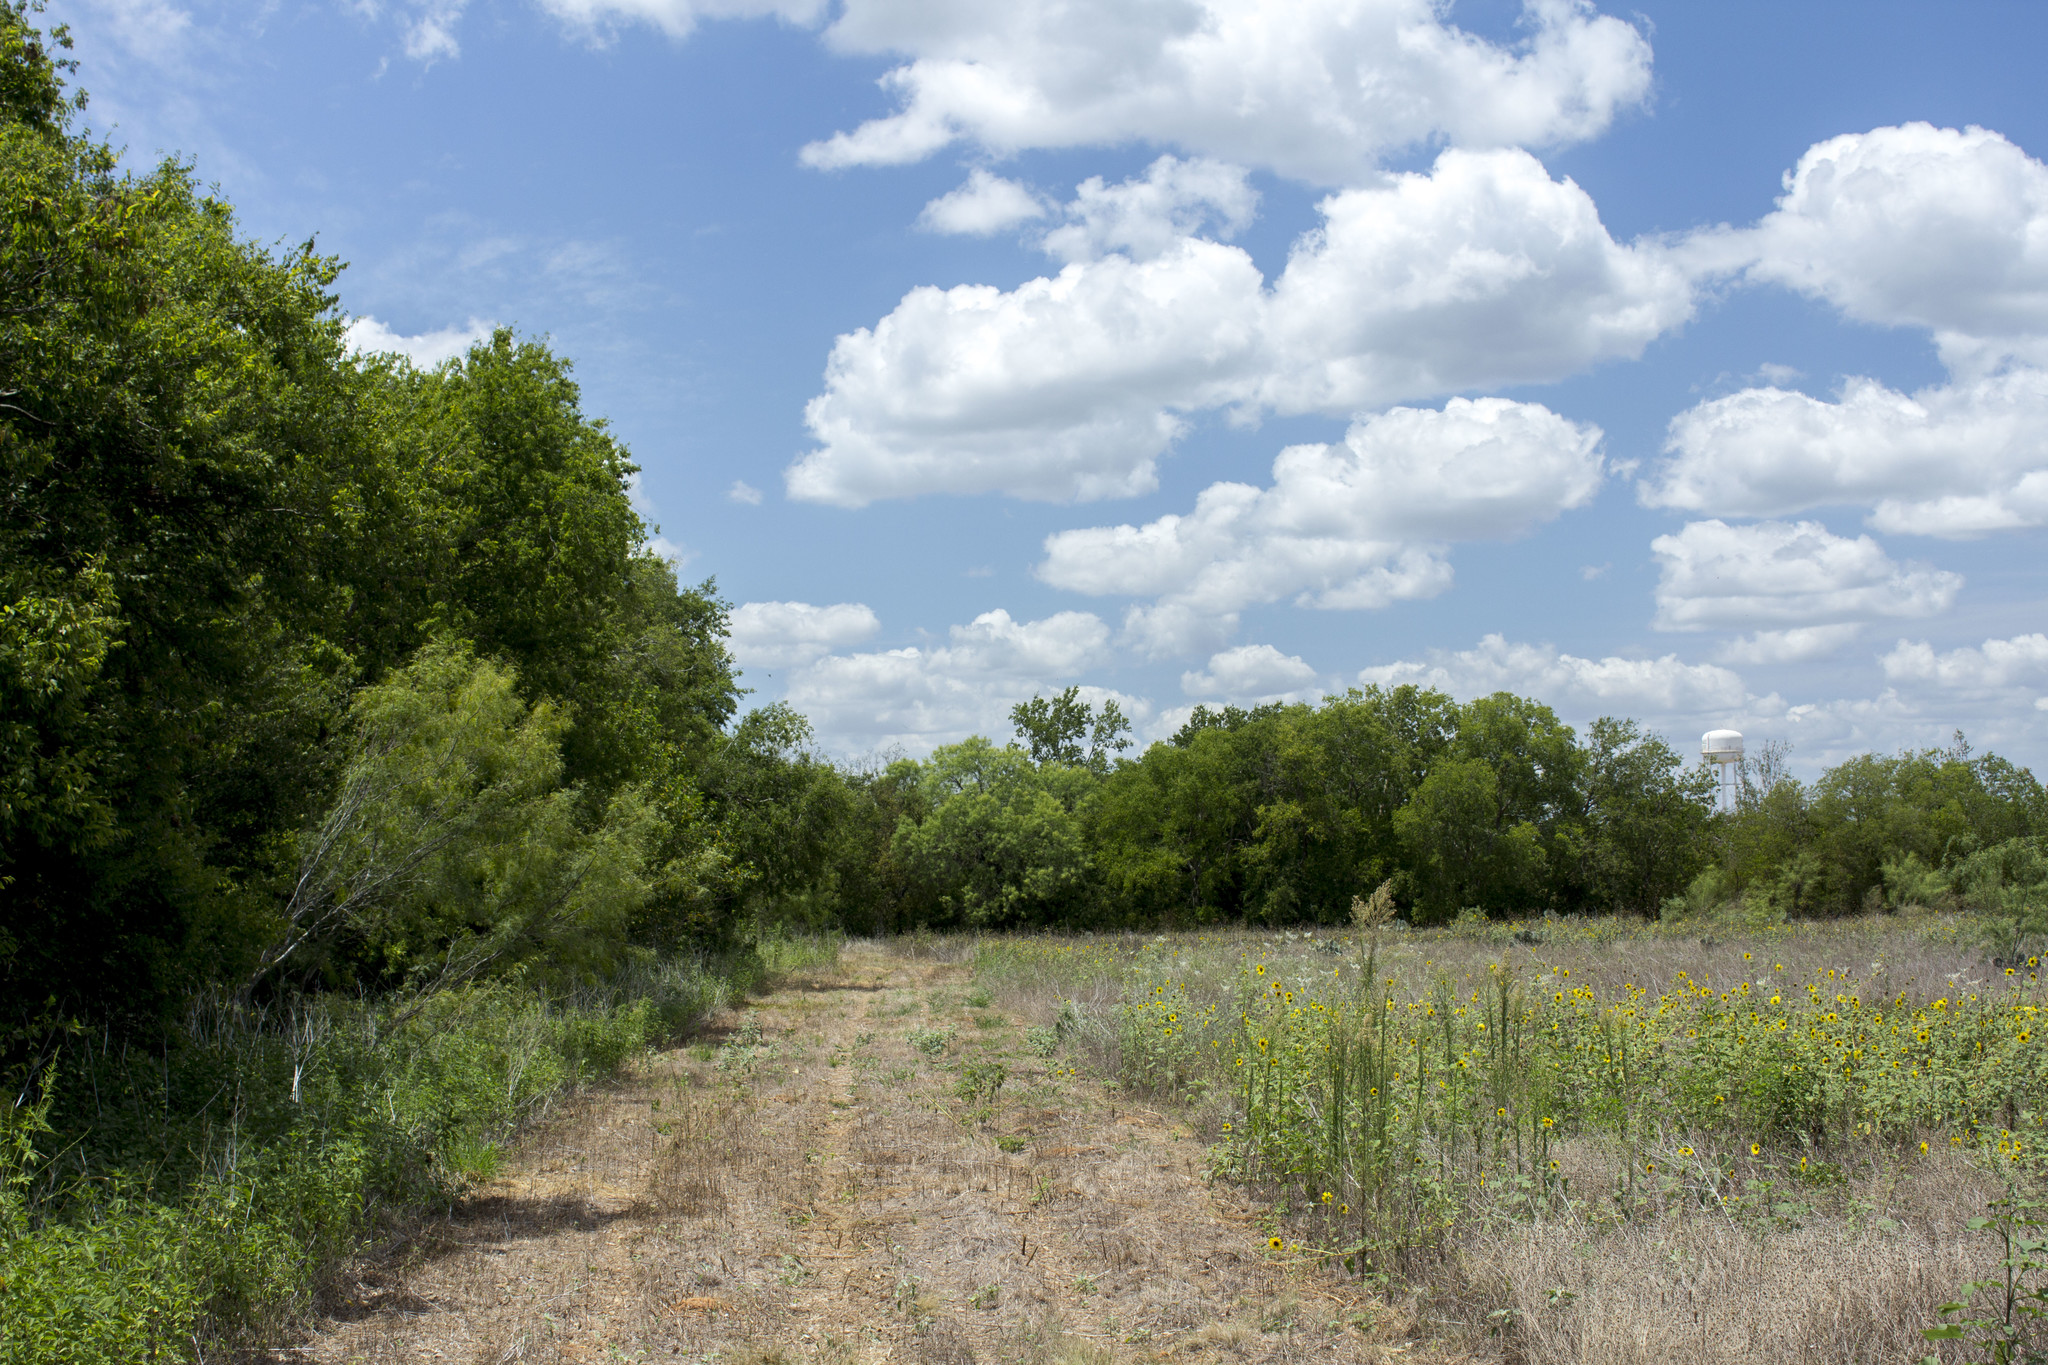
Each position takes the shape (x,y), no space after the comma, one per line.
(1508,1116)
(162,1204)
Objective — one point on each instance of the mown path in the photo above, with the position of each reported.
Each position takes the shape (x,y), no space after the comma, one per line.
(816,1187)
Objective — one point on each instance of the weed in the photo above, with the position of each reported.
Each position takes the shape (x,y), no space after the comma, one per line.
(931,1041)
(982,1081)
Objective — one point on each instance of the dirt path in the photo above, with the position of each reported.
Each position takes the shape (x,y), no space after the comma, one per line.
(864,1167)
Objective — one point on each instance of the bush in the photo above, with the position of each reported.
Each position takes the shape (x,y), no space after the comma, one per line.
(152,1205)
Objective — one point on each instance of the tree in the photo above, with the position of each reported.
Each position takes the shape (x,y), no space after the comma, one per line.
(1054,730)
(1002,845)
(1461,853)
(452,845)
(1647,814)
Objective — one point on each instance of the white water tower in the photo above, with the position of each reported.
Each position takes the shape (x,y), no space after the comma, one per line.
(1723,749)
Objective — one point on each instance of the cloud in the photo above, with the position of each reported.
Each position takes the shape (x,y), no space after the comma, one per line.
(1951,460)
(149,29)
(1345,526)
(1577,686)
(1795,645)
(1149,217)
(1057,390)
(744,492)
(1251,673)
(1784,579)
(1912,226)
(1318,90)
(1908,226)
(428,349)
(918,697)
(986,204)
(1483,272)
(1994,665)
(778,634)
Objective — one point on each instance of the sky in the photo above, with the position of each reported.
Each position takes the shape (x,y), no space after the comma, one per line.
(1680,362)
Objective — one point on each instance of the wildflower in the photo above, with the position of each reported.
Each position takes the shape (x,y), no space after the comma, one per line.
(1226,1127)
(1923,1149)
(1262,969)
(1746,957)
(1757,1148)
(1327,1196)
(1502,1113)
(1685,1151)
(1275,1243)
(1343,1208)
(1548,1121)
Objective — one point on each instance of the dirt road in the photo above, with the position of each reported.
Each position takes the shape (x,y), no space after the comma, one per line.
(864,1166)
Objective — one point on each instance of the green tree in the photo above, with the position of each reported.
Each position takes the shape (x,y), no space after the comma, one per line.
(452,845)
(1065,729)
(1646,818)
(1461,852)
(1002,845)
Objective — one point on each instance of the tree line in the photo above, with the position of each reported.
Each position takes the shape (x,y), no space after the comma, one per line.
(1282,814)
(325,671)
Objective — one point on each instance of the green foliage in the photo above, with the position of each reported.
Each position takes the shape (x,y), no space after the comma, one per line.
(2004,1321)
(2007,886)
(1054,729)
(452,844)
(1003,843)
(154,1205)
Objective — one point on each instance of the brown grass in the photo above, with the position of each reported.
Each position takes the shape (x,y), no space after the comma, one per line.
(1852,1273)
(829,1195)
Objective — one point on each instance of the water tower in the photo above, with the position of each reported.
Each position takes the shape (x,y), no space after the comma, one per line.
(1723,749)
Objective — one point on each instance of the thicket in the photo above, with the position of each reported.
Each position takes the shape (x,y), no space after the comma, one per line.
(1491,808)
(365,779)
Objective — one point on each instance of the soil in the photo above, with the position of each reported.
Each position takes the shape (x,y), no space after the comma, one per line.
(807,1183)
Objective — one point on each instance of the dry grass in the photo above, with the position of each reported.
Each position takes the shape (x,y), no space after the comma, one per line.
(1851,1271)
(803,1185)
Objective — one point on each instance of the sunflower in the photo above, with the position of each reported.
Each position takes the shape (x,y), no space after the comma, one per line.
(1274,1243)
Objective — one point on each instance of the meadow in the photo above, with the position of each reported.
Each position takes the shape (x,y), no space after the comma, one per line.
(1596,1139)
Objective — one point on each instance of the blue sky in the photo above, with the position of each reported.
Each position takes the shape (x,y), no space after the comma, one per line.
(1684,362)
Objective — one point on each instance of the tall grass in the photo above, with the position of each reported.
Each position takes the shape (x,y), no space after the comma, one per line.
(1402,1098)
(157,1200)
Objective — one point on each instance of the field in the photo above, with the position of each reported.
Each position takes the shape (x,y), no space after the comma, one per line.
(1543,1142)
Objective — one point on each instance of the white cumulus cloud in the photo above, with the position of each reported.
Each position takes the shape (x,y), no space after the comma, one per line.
(1996,664)
(427,349)
(778,634)
(1915,226)
(1352,525)
(1250,673)
(1149,216)
(1912,226)
(1316,89)
(986,204)
(920,696)
(1953,460)
(1484,271)
(1576,686)
(1783,579)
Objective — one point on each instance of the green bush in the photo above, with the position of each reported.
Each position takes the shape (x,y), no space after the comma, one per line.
(151,1206)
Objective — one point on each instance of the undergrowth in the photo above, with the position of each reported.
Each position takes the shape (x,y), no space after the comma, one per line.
(157,1202)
